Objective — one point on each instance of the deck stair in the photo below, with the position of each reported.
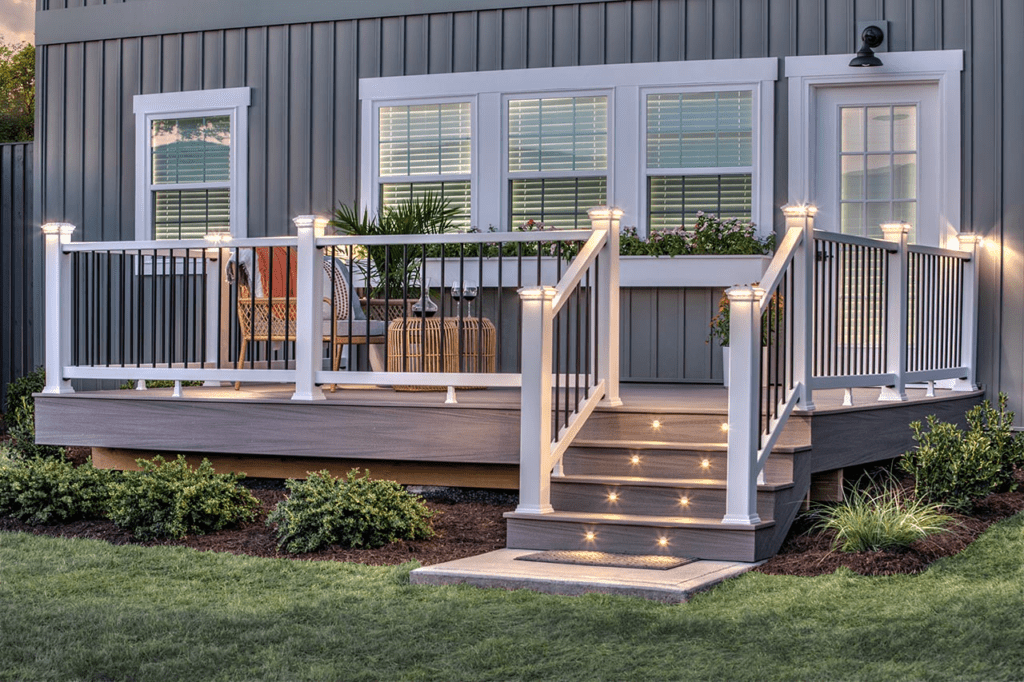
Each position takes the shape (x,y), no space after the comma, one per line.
(643,482)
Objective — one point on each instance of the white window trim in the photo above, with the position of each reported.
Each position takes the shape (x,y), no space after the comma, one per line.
(233,102)
(626,86)
(941,67)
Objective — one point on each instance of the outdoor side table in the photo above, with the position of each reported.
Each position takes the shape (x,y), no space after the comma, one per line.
(417,344)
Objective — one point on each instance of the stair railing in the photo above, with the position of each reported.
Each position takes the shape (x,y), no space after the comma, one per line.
(570,357)
(840,311)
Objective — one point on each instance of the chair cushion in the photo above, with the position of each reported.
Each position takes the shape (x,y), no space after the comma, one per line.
(358,328)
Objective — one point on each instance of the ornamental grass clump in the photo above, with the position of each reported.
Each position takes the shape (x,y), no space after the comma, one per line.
(40,491)
(172,500)
(880,517)
(352,512)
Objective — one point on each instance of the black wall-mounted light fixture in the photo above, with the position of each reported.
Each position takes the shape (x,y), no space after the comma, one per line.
(872,37)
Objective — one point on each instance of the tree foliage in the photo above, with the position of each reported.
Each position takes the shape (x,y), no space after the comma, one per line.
(17,92)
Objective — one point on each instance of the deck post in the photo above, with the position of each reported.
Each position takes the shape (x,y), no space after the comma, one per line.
(213,275)
(897,297)
(744,391)
(969,324)
(535,401)
(58,307)
(803,303)
(607,333)
(309,285)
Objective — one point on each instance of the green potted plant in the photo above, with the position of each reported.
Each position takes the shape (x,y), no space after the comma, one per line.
(720,328)
(393,273)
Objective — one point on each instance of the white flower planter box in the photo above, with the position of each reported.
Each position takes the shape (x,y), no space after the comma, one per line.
(634,271)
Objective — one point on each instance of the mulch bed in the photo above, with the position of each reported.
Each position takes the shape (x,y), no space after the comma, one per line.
(470,522)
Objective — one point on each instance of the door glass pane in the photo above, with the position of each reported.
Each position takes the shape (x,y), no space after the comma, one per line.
(853,219)
(879,129)
(852,182)
(875,214)
(879,177)
(853,129)
(904,170)
(904,128)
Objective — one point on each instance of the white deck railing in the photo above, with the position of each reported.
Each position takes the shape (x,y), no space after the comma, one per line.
(837,311)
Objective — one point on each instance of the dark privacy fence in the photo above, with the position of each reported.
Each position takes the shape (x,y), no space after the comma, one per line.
(16,324)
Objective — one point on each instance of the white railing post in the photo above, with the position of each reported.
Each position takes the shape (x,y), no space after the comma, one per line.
(213,269)
(308,332)
(535,401)
(803,303)
(744,389)
(607,333)
(58,308)
(896,312)
(970,243)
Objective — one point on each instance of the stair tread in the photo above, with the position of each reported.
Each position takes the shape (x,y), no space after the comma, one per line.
(637,520)
(675,445)
(714,484)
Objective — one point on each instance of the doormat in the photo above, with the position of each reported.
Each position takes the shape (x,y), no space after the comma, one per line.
(653,562)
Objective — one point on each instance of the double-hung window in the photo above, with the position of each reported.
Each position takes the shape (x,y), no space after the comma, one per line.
(557,159)
(699,155)
(426,149)
(661,141)
(191,163)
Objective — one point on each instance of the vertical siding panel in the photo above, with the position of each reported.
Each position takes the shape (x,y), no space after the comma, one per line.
(416,45)
(22,254)
(191,62)
(92,157)
(392,46)
(111,167)
(299,140)
(565,34)
(53,209)
(753,28)
(464,41)
(514,47)
(643,334)
(256,78)
(74,139)
(8,227)
(617,32)
(322,103)
(439,43)
(625,326)
(726,26)
(592,38)
(130,84)
(927,26)
(488,40)
(644,31)
(840,27)
(900,14)
(1012,174)
(346,116)
(234,58)
(810,27)
(670,332)
(277,131)
(699,29)
(213,60)
(671,30)
(170,79)
(539,38)
(149,66)
(369,48)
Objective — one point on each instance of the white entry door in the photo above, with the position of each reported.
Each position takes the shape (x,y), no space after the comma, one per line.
(876,159)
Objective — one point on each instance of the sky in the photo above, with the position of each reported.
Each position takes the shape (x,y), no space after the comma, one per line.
(17,21)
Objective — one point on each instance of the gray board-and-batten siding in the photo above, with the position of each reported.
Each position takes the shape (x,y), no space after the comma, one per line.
(303,60)
(16,264)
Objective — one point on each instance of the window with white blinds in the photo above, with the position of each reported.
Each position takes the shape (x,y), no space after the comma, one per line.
(191,163)
(699,156)
(557,159)
(426,148)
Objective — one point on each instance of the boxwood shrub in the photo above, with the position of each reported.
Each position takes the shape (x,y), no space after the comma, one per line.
(41,490)
(172,500)
(351,511)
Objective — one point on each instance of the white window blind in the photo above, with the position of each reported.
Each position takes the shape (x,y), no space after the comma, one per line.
(689,135)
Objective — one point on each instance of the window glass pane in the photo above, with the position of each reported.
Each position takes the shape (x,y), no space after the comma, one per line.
(457,193)
(853,129)
(558,134)
(425,139)
(675,201)
(557,202)
(700,130)
(191,149)
(192,213)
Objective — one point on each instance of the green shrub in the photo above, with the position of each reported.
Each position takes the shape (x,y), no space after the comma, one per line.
(353,512)
(956,468)
(171,500)
(20,417)
(52,490)
(880,517)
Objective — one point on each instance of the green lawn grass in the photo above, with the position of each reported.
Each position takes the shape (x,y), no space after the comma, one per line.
(85,610)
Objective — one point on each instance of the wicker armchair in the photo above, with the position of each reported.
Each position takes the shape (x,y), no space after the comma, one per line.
(266,318)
